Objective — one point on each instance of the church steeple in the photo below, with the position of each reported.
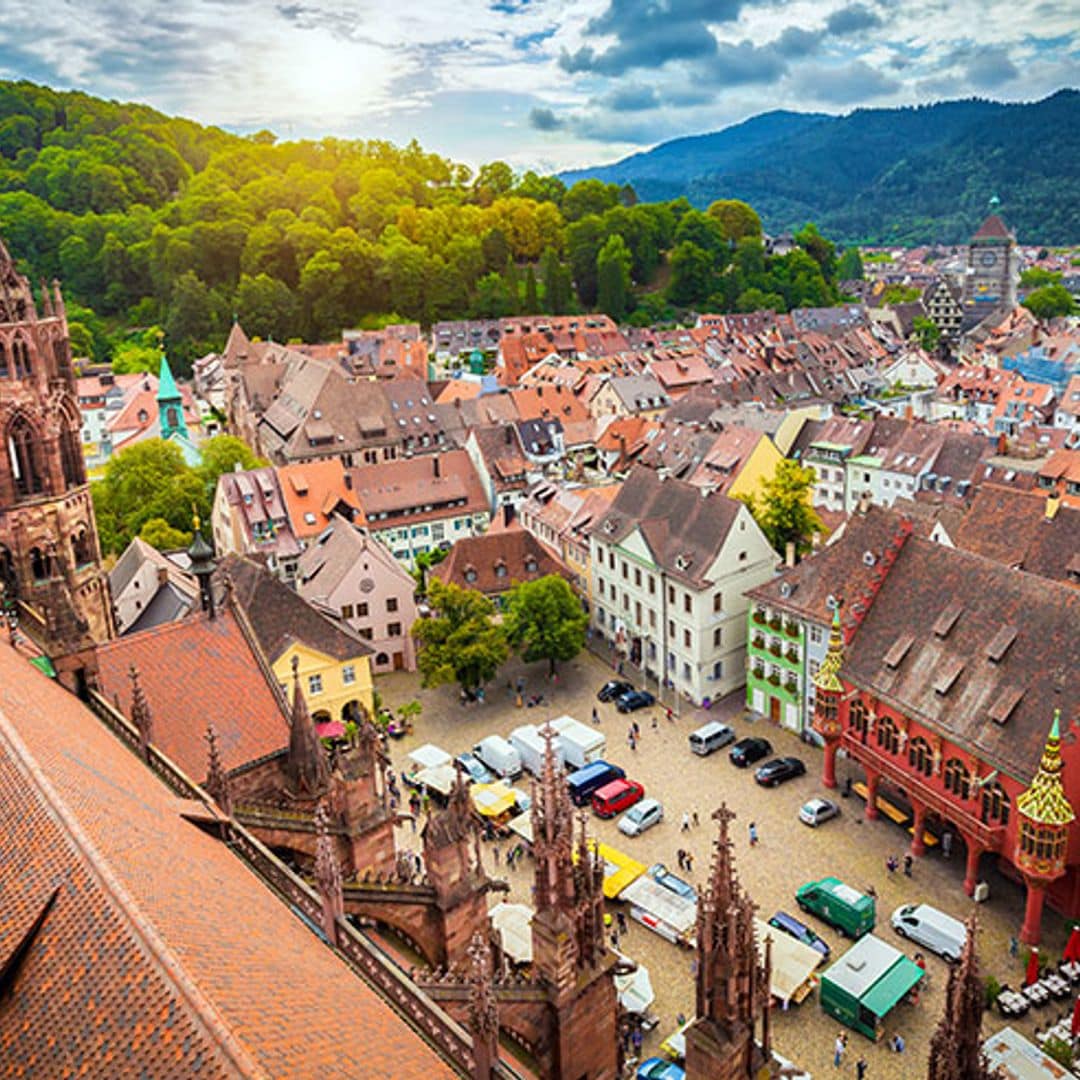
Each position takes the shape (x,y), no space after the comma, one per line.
(170,404)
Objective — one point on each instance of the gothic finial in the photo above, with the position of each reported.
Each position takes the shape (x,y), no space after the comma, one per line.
(217,779)
(328,875)
(483,1009)
(306,764)
(140,713)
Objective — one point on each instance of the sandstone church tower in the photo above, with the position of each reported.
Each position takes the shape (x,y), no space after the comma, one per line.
(50,561)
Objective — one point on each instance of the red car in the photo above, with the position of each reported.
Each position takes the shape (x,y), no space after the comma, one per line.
(616,797)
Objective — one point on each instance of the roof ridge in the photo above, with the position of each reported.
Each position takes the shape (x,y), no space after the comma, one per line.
(154,945)
(175,626)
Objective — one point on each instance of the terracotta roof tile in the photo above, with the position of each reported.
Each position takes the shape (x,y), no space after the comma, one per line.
(162,955)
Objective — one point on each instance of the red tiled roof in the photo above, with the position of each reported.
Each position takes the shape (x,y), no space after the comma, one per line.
(474,562)
(993,228)
(193,672)
(162,954)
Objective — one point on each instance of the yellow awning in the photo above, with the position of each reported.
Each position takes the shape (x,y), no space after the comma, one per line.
(493,800)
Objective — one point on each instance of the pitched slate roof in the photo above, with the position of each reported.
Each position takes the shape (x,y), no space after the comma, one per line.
(162,954)
(949,677)
(194,672)
(684,527)
(281,618)
(993,228)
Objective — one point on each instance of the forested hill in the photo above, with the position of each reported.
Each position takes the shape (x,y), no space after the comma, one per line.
(911,175)
(173,228)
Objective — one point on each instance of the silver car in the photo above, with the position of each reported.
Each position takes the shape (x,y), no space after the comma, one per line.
(641,816)
(817,811)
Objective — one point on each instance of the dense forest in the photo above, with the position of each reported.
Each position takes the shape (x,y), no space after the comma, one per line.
(908,176)
(162,231)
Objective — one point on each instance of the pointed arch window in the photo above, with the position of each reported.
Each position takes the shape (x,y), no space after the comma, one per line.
(71,458)
(81,548)
(40,564)
(995,804)
(20,356)
(888,737)
(858,719)
(920,756)
(4,370)
(24,458)
(957,778)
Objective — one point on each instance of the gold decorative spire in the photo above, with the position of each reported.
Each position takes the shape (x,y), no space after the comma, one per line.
(1044,801)
(828,675)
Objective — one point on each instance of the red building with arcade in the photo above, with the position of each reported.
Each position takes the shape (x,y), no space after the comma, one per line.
(954,681)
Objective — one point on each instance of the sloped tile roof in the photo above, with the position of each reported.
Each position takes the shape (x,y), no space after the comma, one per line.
(511,549)
(1042,660)
(195,672)
(162,955)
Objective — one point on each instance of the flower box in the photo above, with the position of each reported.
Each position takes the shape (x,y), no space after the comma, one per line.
(775,648)
(791,629)
(774,679)
(775,622)
(792,656)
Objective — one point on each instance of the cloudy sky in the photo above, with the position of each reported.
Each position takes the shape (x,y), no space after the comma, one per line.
(540,83)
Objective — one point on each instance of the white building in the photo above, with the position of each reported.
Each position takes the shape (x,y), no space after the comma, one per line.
(670,566)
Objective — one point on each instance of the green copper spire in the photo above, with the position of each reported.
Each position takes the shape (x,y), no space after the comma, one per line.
(170,404)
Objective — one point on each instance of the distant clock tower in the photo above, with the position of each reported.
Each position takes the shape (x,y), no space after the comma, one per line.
(990,280)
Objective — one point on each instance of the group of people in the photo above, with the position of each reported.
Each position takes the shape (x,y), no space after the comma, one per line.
(892,864)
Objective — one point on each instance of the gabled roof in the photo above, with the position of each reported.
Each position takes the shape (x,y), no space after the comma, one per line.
(150,948)
(947,677)
(340,550)
(993,228)
(1014,528)
(281,618)
(684,528)
(313,490)
(195,672)
(493,562)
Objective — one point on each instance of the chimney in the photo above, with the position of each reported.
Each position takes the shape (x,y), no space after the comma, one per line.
(162,575)
(789,554)
(435,464)
(865,502)
(1053,505)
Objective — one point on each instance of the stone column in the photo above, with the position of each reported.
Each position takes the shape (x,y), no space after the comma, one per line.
(971,869)
(1030,932)
(872,778)
(917,845)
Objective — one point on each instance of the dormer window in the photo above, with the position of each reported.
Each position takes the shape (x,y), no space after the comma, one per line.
(530,565)
(470,574)
(500,569)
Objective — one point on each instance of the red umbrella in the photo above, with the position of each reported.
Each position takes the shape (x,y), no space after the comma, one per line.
(1072,949)
(1032,975)
(1076,1019)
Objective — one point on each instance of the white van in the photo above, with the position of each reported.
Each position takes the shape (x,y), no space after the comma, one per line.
(932,929)
(711,736)
(581,745)
(530,745)
(499,756)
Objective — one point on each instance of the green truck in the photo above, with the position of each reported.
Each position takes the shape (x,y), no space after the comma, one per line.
(864,985)
(841,906)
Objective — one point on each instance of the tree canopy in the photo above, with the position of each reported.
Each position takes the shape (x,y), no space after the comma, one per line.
(783,509)
(545,620)
(460,642)
(1050,301)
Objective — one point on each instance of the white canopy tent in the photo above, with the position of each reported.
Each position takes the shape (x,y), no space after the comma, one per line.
(512,923)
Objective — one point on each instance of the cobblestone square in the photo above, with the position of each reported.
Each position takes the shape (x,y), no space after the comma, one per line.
(788,853)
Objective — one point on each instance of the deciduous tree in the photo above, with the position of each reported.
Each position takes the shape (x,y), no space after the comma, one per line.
(461,641)
(783,509)
(545,620)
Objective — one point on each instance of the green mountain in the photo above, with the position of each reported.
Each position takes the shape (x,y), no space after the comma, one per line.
(910,175)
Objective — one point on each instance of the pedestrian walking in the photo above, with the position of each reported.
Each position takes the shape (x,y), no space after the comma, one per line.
(946,843)
(860,1069)
(686,821)
(753,834)
(620,667)
(891,864)
(622,922)
(595,716)
(637,729)
(670,714)
(838,1051)
(689,863)
(1014,947)
(615,940)
(680,855)
(520,685)
(696,820)
(898,1043)
(495,849)
(655,722)
(636,1040)
(908,862)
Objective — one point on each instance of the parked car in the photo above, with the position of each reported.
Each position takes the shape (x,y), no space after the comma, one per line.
(711,736)
(475,769)
(613,689)
(633,700)
(932,929)
(583,782)
(615,797)
(778,770)
(663,876)
(788,924)
(656,1068)
(644,815)
(817,811)
(746,751)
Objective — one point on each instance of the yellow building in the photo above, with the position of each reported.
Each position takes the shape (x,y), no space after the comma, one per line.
(758,464)
(334,662)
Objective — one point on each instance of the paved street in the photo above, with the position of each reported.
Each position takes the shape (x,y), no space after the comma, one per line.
(787,855)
